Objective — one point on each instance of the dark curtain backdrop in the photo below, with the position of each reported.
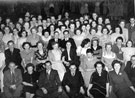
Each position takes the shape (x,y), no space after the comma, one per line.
(17,8)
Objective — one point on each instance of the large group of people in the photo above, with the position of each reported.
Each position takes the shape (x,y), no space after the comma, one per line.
(67,58)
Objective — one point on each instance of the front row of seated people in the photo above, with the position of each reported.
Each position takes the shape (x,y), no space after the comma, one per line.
(102,84)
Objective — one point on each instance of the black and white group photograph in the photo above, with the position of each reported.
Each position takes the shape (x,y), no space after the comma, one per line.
(67,48)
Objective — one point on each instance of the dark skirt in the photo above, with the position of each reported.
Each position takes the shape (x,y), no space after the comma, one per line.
(98,91)
(30,89)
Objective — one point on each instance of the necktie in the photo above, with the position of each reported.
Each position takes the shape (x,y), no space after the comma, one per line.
(13,78)
(47,73)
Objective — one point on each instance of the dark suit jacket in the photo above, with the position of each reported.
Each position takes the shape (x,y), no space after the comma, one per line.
(74,82)
(73,56)
(63,43)
(50,84)
(130,72)
(49,47)
(13,57)
(7,78)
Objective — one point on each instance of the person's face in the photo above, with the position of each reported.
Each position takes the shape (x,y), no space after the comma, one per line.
(105,31)
(83,28)
(132,20)
(10,45)
(122,24)
(109,27)
(55,46)
(72,26)
(100,20)
(93,32)
(88,27)
(15,31)
(46,34)
(63,28)
(52,28)
(7,30)
(129,44)
(99,68)
(99,27)
(72,68)
(67,22)
(66,14)
(7,21)
(77,23)
(39,17)
(108,47)
(26,46)
(81,19)
(48,66)
(78,32)
(20,20)
(56,35)
(107,21)
(26,25)
(66,35)
(133,60)
(68,45)
(30,69)
(119,42)
(23,34)
(34,31)
(40,46)
(117,30)
(12,66)
(94,43)
(117,67)
(89,55)
(94,24)
(40,29)
(94,15)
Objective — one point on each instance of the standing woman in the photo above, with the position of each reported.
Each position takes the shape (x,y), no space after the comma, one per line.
(96,48)
(108,56)
(30,81)
(87,66)
(41,55)
(99,82)
(55,57)
(120,85)
(33,38)
(7,35)
(27,54)
(22,39)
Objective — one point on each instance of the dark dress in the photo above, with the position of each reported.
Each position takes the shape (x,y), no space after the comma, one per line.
(121,85)
(32,79)
(74,82)
(98,89)
(38,56)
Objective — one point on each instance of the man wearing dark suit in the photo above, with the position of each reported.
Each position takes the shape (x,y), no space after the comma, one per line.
(66,39)
(73,83)
(55,39)
(69,56)
(131,29)
(130,70)
(49,83)
(12,81)
(12,55)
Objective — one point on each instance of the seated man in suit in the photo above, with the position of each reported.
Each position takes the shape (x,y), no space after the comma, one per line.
(12,81)
(73,83)
(49,83)
(12,54)
(69,56)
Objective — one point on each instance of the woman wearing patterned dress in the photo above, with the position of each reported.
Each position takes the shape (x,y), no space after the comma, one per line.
(41,55)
